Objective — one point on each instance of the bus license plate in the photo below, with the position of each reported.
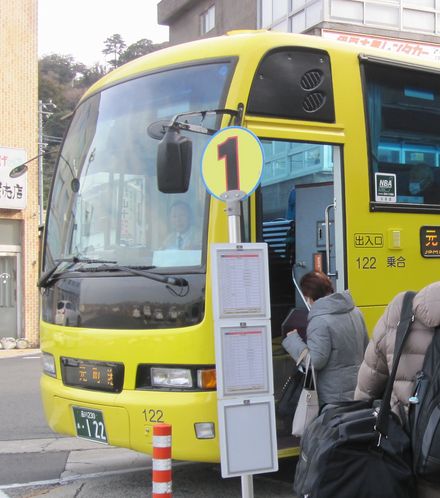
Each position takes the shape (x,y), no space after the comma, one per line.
(90,424)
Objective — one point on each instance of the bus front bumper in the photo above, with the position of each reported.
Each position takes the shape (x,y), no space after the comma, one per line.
(128,417)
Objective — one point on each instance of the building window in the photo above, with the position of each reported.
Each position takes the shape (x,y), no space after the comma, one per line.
(207,20)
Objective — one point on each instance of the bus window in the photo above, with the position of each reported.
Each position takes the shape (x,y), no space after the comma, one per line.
(403,108)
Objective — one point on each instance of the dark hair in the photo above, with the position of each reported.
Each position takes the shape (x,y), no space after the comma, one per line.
(315,285)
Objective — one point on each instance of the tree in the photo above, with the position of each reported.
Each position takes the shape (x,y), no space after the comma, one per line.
(138,49)
(64,80)
(92,75)
(60,67)
(114,45)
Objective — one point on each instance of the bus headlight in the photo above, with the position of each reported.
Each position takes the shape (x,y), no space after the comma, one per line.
(178,377)
(48,361)
(171,377)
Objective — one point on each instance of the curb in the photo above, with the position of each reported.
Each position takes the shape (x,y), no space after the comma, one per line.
(13,353)
(50,445)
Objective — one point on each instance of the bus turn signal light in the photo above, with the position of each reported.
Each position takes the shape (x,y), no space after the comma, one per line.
(206,379)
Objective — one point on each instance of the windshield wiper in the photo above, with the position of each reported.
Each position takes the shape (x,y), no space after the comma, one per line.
(141,271)
(49,276)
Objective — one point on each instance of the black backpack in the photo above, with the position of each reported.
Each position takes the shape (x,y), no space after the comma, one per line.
(424,415)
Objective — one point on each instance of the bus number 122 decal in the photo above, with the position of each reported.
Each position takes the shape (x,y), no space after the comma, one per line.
(366,263)
(154,416)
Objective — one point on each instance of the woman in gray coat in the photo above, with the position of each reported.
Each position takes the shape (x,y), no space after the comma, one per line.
(376,366)
(336,338)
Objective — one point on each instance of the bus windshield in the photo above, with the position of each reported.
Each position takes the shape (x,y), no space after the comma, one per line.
(117,212)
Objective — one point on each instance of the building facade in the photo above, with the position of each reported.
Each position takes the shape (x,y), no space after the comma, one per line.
(193,19)
(19,212)
(413,19)
(408,26)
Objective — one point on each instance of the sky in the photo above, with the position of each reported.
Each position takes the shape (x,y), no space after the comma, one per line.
(79,27)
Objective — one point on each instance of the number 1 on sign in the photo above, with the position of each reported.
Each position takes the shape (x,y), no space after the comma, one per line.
(232,161)
(228,150)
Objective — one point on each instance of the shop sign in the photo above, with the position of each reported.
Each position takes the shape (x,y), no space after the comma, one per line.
(13,191)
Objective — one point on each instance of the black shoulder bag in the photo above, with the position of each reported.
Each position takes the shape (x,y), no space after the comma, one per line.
(287,402)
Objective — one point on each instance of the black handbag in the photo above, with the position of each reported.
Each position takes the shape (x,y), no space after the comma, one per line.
(286,404)
(290,393)
(359,449)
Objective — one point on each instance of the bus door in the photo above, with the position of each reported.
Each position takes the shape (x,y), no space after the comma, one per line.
(299,219)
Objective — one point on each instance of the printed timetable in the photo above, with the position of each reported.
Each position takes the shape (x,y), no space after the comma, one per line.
(244,356)
(242,289)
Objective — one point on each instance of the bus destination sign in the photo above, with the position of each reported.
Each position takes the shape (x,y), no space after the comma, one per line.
(100,376)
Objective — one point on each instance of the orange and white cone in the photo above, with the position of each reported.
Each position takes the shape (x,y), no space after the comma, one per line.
(162,479)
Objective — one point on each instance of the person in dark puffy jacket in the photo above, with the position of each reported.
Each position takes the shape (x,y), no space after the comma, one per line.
(375,368)
(336,338)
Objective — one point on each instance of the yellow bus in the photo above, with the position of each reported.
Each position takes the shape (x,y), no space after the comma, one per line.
(350,185)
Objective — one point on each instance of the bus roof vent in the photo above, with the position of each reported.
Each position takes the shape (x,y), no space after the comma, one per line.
(293,83)
(313,101)
(311,79)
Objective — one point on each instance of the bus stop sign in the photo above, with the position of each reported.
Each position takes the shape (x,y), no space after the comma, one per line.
(232,161)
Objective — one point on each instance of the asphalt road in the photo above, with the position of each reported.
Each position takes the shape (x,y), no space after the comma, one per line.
(21,411)
(189,481)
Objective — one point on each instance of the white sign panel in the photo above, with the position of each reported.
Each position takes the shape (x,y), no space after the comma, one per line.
(243,352)
(13,191)
(247,436)
(241,280)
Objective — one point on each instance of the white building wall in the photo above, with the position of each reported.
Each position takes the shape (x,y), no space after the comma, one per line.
(416,17)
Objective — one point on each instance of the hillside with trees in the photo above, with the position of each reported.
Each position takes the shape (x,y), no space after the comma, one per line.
(63,80)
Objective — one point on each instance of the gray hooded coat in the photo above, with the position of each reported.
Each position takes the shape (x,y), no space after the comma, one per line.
(336,338)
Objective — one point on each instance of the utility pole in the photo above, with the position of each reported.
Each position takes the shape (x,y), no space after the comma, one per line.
(43,110)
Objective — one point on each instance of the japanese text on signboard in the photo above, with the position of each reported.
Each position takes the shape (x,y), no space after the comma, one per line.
(12,190)
(429,51)
(430,241)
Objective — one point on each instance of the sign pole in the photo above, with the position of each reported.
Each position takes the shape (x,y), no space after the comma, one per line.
(231,168)
(233,204)
(233,209)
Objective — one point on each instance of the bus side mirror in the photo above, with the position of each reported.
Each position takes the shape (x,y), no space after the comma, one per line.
(174,156)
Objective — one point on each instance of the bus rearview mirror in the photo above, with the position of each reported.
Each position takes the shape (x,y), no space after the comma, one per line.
(174,155)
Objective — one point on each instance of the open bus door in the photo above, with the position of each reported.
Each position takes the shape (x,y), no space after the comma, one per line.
(300,221)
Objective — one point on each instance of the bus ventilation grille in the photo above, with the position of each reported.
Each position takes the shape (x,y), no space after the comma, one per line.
(313,102)
(311,80)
